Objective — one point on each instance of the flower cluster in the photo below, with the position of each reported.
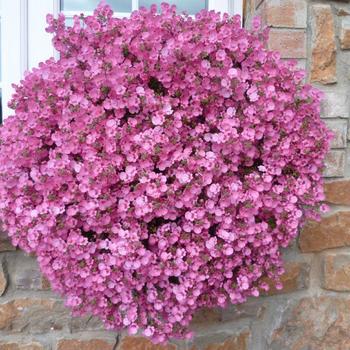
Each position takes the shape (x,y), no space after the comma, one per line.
(159,165)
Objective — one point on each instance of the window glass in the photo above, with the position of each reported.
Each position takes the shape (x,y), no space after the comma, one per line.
(90,5)
(191,7)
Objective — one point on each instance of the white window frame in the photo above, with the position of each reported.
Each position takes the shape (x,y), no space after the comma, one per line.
(24,42)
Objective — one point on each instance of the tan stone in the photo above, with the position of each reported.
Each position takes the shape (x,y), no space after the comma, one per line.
(93,344)
(336,272)
(3,279)
(320,323)
(19,346)
(285,13)
(331,232)
(239,342)
(139,343)
(296,277)
(290,43)
(338,192)
(33,315)
(323,56)
(345,34)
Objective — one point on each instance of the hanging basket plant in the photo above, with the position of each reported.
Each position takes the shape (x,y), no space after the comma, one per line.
(159,165)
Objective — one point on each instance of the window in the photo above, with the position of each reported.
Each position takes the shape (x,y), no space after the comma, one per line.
(24,42)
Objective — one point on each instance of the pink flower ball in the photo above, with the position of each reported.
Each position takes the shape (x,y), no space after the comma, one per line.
(159,165)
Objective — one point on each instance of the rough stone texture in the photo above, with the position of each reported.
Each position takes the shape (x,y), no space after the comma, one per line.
(3,278)
(290,43)
(331,232)
(319,323)
(236,343)
(285,13)
(93,344)
(87,323)
(340,130)
(207,316)
(139,343)
(342,12)
(334,164)
(217,317)
(221,341)
(252,309)
(296,277)
(336,104)
(5,244)
(345,34)
(323,58)
(338,192)
(28,276)
(34,316)
(21,346)
(336,272)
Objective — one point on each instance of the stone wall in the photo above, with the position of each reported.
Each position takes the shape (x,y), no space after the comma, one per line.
(313,310)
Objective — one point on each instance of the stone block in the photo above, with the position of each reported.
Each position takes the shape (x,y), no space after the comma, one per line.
(290,43)
(93,344)
(331,232)
(334,164)
(323,45)
(312,323)
(340,129)
(285,13)
(345,33)
(336,272)
(338,192)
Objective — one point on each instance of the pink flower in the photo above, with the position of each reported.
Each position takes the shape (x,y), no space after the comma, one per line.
(156,170)
(221,55)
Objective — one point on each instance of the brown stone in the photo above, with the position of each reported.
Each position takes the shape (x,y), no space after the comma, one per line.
(19,346)
(296,277)
(139,343)
(334,164)
(331,232)
(336,272)
(345,34)
(239,342)
(93,344)
(320,323)
(338,192)
(323,56)
(290,43)
(34,316)
(285,13)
